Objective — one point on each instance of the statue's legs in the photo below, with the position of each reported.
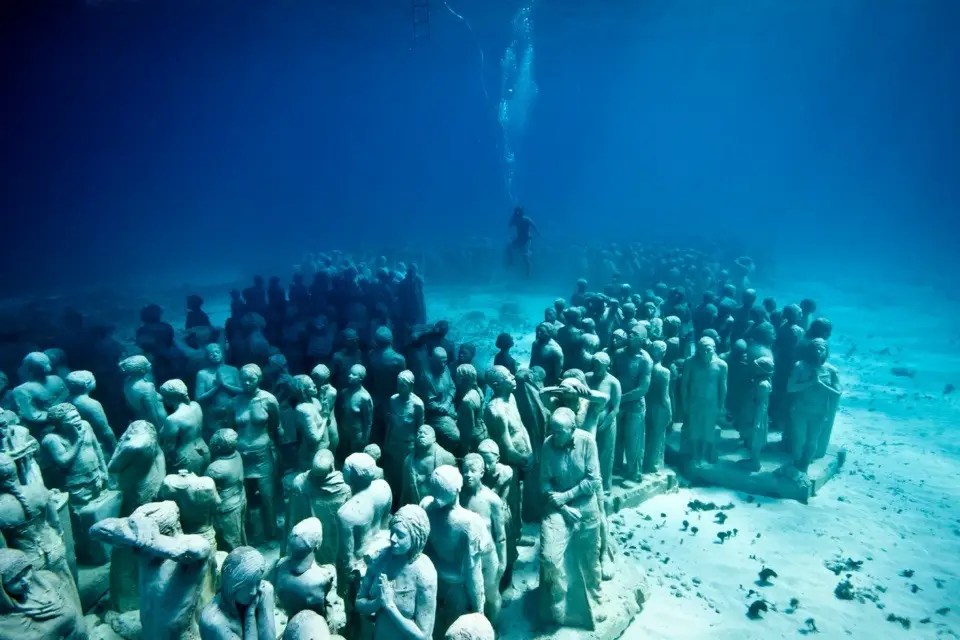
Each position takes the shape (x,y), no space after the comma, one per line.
(805,428)
(634,439)
(606,445)
(656,439)
(570,575)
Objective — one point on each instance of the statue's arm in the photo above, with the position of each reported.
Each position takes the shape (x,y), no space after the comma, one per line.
(418,413)
(473,571)
(25,407)
(273,418)
(266,624)
(347,542)
(101,427)
(365,604)
(722,385)
(62,455)
(424,616)
(167,435)
(183,549)
(500,532)
(366,418)
(114,531)
(206,388)
(335,611)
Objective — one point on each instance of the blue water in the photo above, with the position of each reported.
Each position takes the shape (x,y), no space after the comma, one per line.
(204,136)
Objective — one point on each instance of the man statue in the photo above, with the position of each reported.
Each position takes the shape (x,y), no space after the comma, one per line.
(705,395)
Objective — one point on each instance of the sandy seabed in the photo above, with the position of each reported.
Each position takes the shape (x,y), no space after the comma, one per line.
(889,524)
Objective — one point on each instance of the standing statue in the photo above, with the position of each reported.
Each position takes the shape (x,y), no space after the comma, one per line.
(419,466)
(504,482)
(571,532)
(357,411)
(752,418)
(34,602)
(400,586)
(484,502)
(461,549)
(302,583)
(469,402)
(80,384)
(659,419)
(814,389)
(243,609)
(181,434)
(319,493)
(704,395)
(385,364)
(633,368)
(217,385)
(601,380)
(328,400)
(309,421)
(39,390)
(547,354)
(404,418)
(173,567)
(226,470)
(786,351)
(29,523)
(348,356)
(256,414)
(140,392)
(534,416)
(16,442)
(438,390)
(502,419)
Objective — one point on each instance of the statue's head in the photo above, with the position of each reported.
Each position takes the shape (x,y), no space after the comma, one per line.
(629,311)
(763,367)
(223,443)
(64,415)
(57,356)
(619,339)
(409,531)
(305,387)
(582,285)
(441,329)
(373,450)
(445,485)
(79,382)
(792,314)
(426,437)
(817,351)
(214,354)
(307,625)
(36,365)
(139,433)
(738,349)
(808,306)
(356,375)
(470,626)
(250,377)
(322,464)
(359,470)
(649,310)
(405,382)
(559,305)
(466,353)
(770,304)
(749,297)
(438,359)
(174,392)
(351,339)
(473,469)
(504,341)
(241,575)
(550,315)
(563,421)
(820,328)
(383,337)
(305,538)
(600,363)
(657,350)
(501,380)
(764,334)
(546,332)
(637,337)
(165,514)
(16,573)
(490,452)
(151,314)
(321,375)
(466,376)
(278,362)
(706,348)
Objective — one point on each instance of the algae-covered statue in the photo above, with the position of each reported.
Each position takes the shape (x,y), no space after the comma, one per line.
(140,392)
(659,416)
(502,419)
(469,409)
(470,626)
(302,583)
(173,567)
(310,421)
(704,395)
(226,470)
(438,391)
(571,531)
(357,411)
(181,434)
(547,354)
(36,603)
(602,381)
(504,482)
(327,395)
(76,460)
(752,418)
(405,415)
(363,519)
(400,585)
(39,389)
(461,549)
(244,607)
(256,414)
(814,389)
(217,384)
(80,384)
(319,493)
(419,466)
(633,367)
(484,502)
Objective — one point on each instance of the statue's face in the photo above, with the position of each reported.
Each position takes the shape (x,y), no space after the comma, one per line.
(355,376)
(310,389)
(464,356)
(298,547)
(214,354)
(473,475)
(247,592)
(820,348)
(490,461)
(20,584)
(550,315)
(438,361)
(249,381)
(425,438)
(706,349)
(562,432)
(72,419)
(400,542)
(508,382)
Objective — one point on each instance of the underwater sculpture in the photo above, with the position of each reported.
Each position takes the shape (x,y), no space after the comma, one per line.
(405,416)
(704,393)
(309,421)
(304,584)
(319,493)
(814,389)
(384,364)
(437,390)
(39,389)
(419,466)
(357,417)
(547,354)
(752,419)
(35,602)
(470,626)
(633,367)
(502,419)
(327,395)
(217,384)
(659,416)
(484,502)
(226,471)
(80,384)
(181,434)
(143,400)
(243,608)
(469,409)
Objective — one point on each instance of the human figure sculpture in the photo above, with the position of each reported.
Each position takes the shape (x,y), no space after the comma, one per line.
(502,419)
(738,375)
(505,483)
(752,417)
(400,585)
(302,583)
(345,359)
(571,531)
(469,409)
(143,400)
(76,460)
(256,414)
(181,434)
(814,389)
(327,395)
(633,367)
(29,523)
(419,466)
(139,467)
(319,493)
(462,552)
(503,357)
(437,390)
(547,354)
(16,442)
(174,567)
(470,626)
(306,625)
(786,351)
(373,450)
(568,337)
(704,392)
(243,608)
(534,416)
(384,365)
(659,415)
(357,419)
(39,389)
(35,602)
(309,421)
(485,502)
(217,385)
(405,415)
(601,380)
(226,471)
(80,384)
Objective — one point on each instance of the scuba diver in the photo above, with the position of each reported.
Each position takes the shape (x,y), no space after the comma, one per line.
(525,229)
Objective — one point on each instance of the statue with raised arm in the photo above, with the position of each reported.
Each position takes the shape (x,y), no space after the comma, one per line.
(243,608)
(400,586)
(217,385)
(140,392)
(39,389)
(181,434)
(80,384)
(173,568)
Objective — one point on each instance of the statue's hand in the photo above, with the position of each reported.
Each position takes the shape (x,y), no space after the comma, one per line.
(144,530)
(387,595)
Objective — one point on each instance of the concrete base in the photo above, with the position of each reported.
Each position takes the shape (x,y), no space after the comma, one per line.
(623,599)
(776,478)
(629,495)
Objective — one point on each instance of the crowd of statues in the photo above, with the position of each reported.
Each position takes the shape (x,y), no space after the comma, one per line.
(395,472)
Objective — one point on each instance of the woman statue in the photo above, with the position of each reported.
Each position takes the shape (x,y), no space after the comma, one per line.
(303,584)
(243,608)
(30,523)
(256,416)
(141,394)
(181,434)
(400,585)
(328,398)
(217,384)
(32,603)
(405,415)
(229,521)
(814,388)
(309,421)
